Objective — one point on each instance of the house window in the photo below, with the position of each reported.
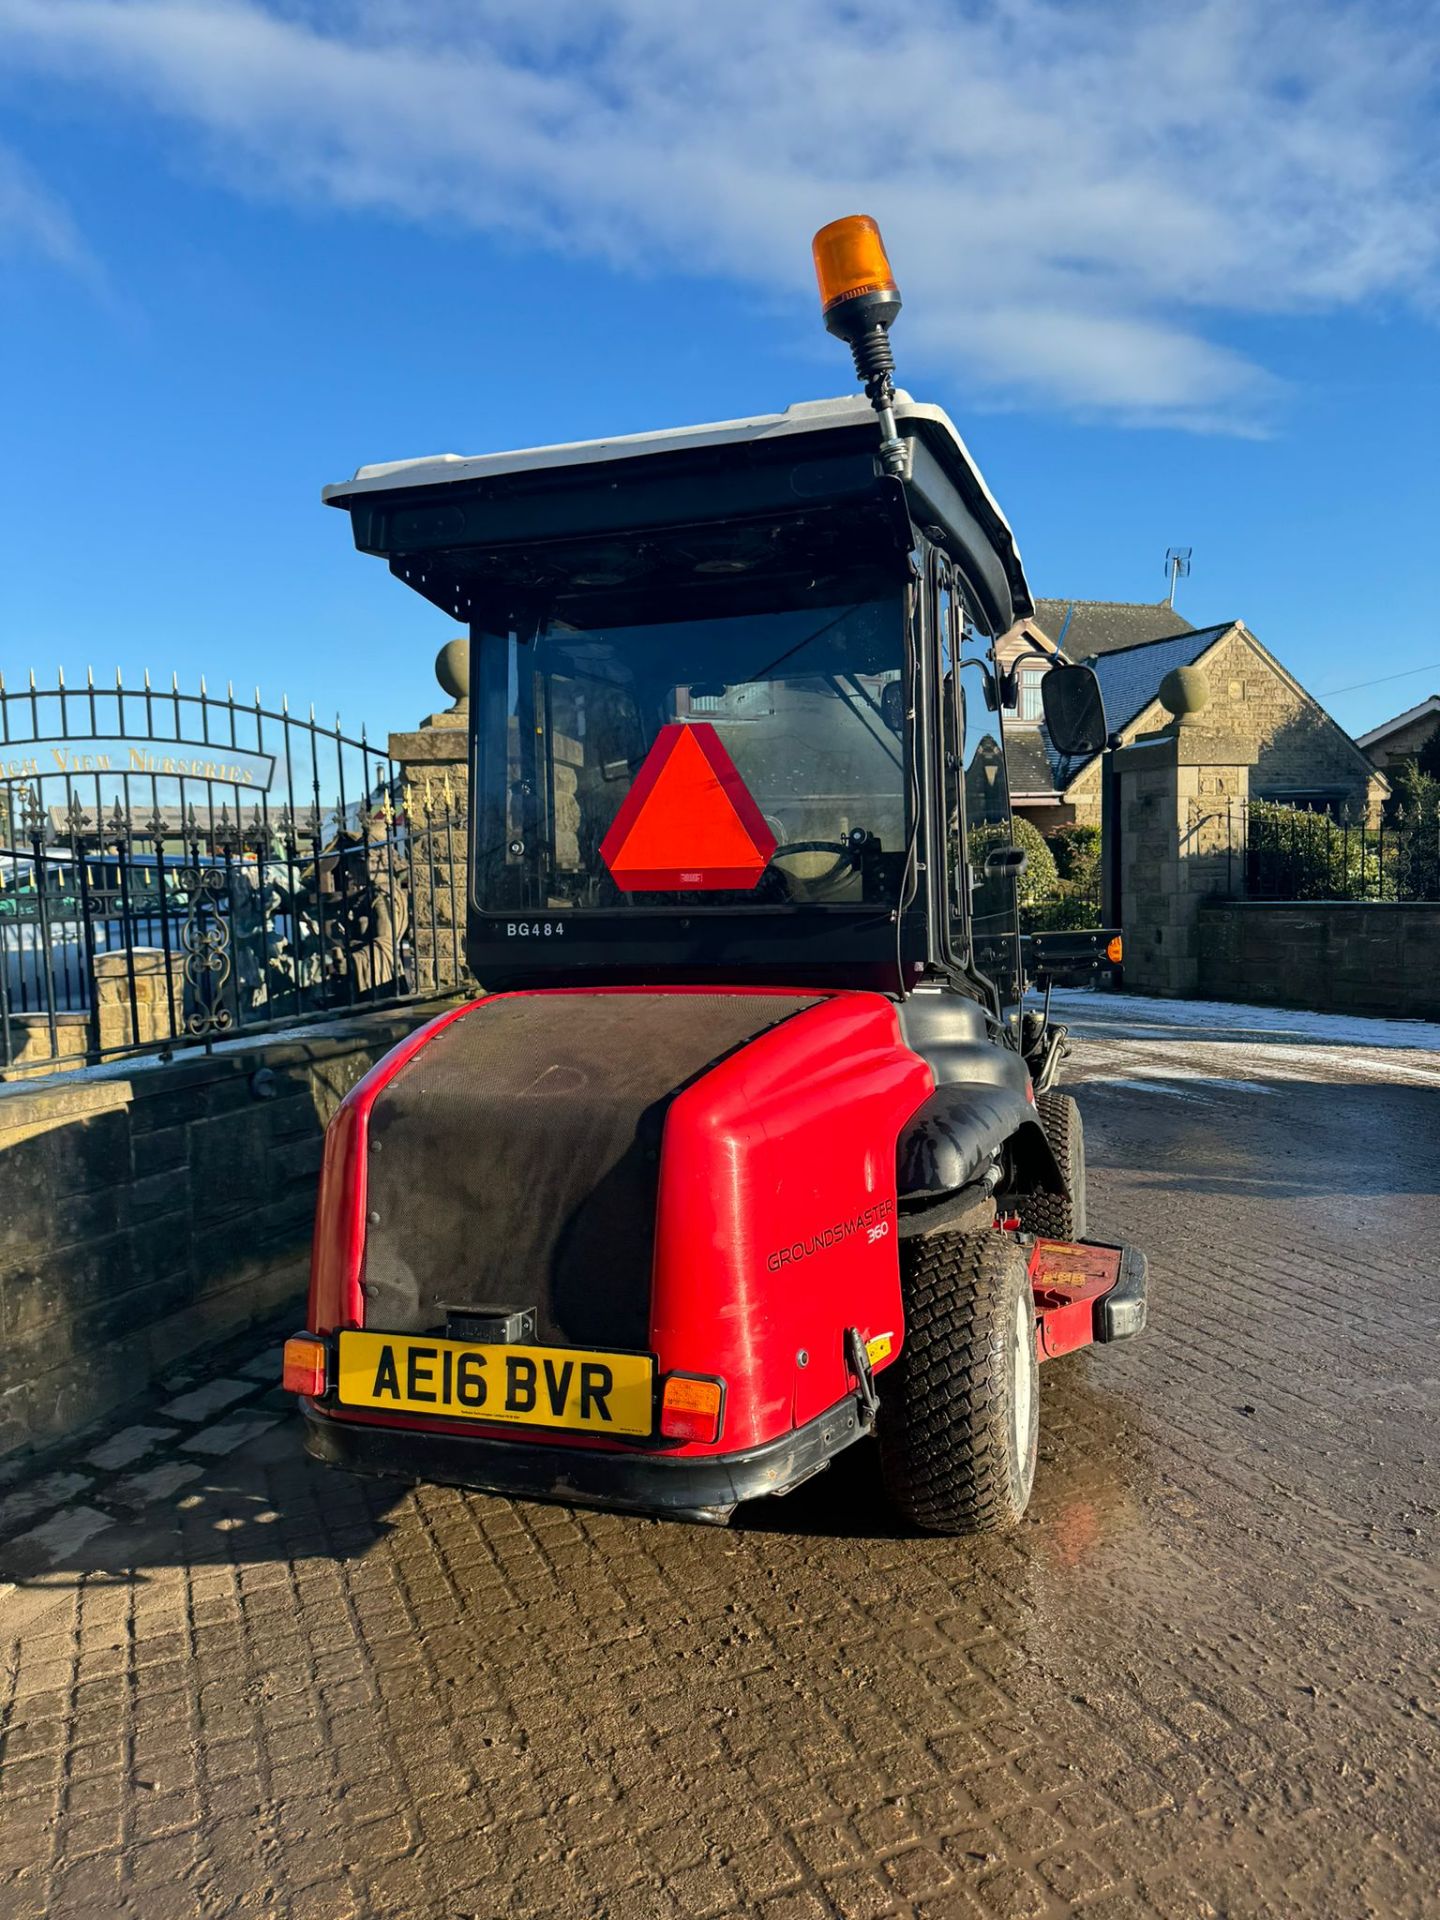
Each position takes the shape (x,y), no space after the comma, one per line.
(1308,799)
(1029,706)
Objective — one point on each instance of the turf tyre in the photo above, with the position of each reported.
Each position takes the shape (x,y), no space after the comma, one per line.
(1059,1216)
(959,1409)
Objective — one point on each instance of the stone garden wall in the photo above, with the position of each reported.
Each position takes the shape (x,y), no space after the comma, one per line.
(146,1209)
(1344,956)
(433,762)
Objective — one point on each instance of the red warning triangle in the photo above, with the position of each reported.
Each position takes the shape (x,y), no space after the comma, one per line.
(689,823)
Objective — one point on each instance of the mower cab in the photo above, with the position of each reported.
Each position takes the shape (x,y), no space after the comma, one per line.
(741,1154)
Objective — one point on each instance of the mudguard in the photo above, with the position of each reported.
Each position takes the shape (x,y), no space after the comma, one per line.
(983,1103)
(959,1131)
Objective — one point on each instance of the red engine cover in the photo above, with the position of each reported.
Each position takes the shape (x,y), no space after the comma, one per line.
(777,1226)
(776,1223)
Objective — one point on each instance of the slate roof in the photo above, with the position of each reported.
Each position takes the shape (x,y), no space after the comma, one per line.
(1377,736)
(1130,676)
(1028,761)
(1104,626)
(1130,679)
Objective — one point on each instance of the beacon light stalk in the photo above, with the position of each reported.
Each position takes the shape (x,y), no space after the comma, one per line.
(860,300)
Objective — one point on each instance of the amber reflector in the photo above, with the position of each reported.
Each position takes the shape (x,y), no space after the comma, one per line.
(1115,951)
(690,1407)
(850,258)
(304,1365)
(689,824)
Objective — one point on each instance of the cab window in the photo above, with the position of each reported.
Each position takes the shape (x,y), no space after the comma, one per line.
(993,899)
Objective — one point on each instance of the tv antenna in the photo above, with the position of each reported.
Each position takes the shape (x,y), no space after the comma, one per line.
(1177,567)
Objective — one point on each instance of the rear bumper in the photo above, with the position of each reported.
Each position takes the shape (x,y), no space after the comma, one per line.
(1120,1313)
(708,1488)
(1086,1293)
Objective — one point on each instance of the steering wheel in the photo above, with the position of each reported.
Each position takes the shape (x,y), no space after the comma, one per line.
(847,859)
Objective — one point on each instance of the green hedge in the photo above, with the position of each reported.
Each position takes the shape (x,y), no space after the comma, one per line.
(1039,881)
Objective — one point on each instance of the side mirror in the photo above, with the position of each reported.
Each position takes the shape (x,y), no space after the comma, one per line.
(1005,863)
(1074,709)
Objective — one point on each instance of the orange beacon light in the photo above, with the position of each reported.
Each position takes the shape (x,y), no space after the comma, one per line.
(860,300)
(850,260)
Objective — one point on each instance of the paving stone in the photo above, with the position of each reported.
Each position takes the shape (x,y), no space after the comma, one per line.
(131,1443)
(63,1533)
(39,1495)
(154,1484)
(229,1434)
(265,1366)
(203,1402)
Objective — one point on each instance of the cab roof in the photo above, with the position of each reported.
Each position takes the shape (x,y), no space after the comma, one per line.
(956,494)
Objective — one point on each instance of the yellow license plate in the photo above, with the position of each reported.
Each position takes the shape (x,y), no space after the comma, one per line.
(530,1386)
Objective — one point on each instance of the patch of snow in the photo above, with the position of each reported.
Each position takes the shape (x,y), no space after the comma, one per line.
(156,1483)
(1146,1085)
(1192,1077)
(50,1490)
(1231,1020)
(63,1534)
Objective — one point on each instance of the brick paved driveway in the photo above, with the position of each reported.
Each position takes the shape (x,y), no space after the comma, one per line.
(1199,1681)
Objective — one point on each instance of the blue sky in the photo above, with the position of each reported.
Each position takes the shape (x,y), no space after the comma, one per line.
(1174,272)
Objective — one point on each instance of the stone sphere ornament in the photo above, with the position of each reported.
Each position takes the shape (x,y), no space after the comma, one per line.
(1185,692)
(452,670)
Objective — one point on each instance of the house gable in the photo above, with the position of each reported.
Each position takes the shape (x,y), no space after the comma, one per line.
(1301,753)
(1403,737)
(1390,730)
(1301,750)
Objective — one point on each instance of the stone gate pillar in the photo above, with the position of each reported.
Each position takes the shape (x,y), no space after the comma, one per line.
(1183,794)
(433,763)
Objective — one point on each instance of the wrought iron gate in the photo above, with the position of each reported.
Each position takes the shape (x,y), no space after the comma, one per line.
(184,867)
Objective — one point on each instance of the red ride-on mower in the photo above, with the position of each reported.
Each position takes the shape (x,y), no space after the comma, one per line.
(748,1150)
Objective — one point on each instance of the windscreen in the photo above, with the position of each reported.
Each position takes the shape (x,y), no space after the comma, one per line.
(616,756)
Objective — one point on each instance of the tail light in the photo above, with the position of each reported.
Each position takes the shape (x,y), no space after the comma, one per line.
(692,1407)
(305,1365)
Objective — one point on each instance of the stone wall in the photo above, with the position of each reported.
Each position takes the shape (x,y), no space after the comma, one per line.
(144,1211)
(139,997)
(434,766)
(1299,749)
(1334,957)
(1177,792)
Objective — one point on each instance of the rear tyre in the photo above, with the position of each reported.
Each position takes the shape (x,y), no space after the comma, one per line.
(959,1410)
(1059,1216)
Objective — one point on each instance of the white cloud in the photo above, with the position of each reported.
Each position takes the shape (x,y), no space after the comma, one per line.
(1083,197)
(32,219)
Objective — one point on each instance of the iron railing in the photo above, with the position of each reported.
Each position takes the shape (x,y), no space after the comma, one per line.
(1263,850)
(180,868)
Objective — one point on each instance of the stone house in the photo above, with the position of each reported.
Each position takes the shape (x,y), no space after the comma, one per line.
(1302,756)
(1402,738)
